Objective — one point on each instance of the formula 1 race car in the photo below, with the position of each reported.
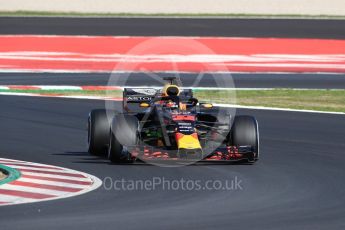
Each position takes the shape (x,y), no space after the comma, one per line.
(170,124)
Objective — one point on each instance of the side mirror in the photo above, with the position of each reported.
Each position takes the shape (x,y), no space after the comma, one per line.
(207,105)
(144,105)
(193,101)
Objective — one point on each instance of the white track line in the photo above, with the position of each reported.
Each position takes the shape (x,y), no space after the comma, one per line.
(67,185)
(55,176)
(36,168)
(34,190)
(13,199)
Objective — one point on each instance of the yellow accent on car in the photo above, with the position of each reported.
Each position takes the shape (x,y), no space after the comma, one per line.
(188,142)
(144,104)
(183,106)
(207,106)
(168,89)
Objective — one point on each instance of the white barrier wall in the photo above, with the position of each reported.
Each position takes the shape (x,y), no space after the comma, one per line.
(301,7)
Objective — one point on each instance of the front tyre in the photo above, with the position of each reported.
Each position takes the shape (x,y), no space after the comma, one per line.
(123,134)
(245,132)
(98,132)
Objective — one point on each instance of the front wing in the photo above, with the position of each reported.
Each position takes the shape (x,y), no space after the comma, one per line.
(221,154)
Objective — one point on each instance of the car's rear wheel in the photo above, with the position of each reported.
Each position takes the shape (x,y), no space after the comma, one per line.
(245,132)
(123,134)
(98,132)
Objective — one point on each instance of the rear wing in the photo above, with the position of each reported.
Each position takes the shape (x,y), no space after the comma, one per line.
(132,97)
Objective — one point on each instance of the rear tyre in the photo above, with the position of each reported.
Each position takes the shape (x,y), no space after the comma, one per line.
(245,132)
(98,132)
(123,134)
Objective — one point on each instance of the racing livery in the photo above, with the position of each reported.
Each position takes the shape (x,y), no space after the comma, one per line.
(170,124)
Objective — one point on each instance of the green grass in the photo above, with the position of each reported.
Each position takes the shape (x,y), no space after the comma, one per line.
(78,14)
(320,100)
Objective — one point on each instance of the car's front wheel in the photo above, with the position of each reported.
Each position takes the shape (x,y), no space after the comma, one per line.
(98,132)
(245,132)
(123,134)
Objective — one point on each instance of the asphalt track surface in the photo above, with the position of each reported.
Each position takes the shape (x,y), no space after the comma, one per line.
(286,28)
(297,184)
(315,81)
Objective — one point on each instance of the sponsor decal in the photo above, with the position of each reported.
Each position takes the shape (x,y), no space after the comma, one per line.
(139,98)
